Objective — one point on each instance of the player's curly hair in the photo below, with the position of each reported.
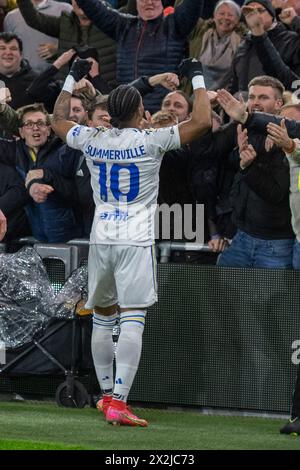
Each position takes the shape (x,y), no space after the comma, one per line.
(122,104)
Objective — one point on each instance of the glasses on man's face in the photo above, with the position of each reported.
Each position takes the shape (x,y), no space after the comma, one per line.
(31,124)
(149,1)
(260,10)
(249,9)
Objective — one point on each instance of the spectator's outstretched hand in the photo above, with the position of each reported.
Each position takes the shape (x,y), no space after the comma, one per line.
(269,144)
(218,245)
(236,109)
(168,80)
(254,22)
(80,68)
(145,121)
(190,68)
(95,68)
(47,50)
(64,58)
(213,98)
(247,157)
(3,225)
(279,135)
(242,138)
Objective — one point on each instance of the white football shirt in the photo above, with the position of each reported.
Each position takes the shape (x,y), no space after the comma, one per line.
(124,166)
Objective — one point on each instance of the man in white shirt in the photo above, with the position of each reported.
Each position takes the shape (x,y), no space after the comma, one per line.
(124,163)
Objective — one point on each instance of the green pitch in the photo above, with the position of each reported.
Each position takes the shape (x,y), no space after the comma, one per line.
(40,426)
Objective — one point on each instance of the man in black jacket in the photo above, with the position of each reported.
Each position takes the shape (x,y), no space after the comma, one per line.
(260,191)
(15,72)
(248,61)
(149,43)
(266,52)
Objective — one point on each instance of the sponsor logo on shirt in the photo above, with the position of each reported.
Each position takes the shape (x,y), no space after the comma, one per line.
(115,215)
(76,131)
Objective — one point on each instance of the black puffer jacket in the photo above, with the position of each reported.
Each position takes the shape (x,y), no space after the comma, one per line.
(146,47)
(249,63)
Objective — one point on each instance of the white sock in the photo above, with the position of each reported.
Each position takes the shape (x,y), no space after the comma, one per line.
(128,351)
(103,350)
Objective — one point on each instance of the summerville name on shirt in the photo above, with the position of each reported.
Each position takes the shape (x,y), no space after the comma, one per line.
(113,154)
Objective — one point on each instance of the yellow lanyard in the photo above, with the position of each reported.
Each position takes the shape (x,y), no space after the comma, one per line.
(32,155)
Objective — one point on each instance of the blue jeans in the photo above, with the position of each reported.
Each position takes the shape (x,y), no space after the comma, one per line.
(246,251)
(296,255)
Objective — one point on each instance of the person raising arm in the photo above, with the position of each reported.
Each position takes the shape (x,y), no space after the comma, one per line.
(192,129)
(124,163)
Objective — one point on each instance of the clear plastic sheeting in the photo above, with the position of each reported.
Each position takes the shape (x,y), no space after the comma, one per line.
(70,295)
(27,298)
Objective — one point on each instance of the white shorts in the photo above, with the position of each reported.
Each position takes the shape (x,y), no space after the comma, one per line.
(123,275)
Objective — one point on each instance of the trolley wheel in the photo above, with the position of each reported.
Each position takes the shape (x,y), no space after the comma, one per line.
(78,399)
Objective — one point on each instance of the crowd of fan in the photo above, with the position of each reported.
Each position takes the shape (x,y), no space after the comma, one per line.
(249,50)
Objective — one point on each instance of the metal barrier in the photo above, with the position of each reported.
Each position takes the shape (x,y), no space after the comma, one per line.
(165,249)
(80,254)
(75,257)
(62,252)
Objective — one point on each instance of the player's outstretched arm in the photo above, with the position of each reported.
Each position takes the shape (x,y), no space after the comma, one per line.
(200,121)
(60,123)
